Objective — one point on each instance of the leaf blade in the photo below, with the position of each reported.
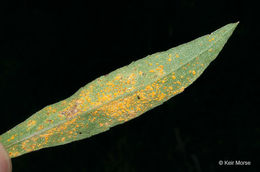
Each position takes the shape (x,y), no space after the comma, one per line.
(117,97)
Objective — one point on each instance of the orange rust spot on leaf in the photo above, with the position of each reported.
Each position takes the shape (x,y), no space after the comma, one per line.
(149,87)
(31,123)
(160,69)
(161,96)
(40,127)
(11,138)
(118,77)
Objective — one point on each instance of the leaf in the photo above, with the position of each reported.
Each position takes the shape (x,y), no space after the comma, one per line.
(117,97)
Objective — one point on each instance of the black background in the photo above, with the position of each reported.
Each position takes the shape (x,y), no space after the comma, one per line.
(49,50)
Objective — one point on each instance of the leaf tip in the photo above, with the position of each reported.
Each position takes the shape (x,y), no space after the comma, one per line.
(235,24)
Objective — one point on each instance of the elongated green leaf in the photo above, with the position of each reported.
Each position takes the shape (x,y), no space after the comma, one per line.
(117,97)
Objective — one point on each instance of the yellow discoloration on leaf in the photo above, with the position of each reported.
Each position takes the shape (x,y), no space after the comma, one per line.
(31,123)
(118,77)
(212,39)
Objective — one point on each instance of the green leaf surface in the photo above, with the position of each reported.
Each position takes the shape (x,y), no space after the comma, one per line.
(117,97)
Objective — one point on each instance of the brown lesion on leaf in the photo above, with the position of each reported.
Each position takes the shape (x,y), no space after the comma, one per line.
(49,121)
(72,111)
